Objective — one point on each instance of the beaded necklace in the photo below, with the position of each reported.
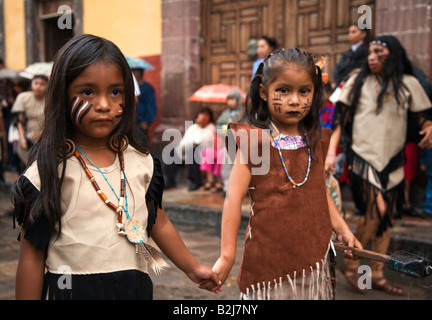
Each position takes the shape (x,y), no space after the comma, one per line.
(119,209)
(122,182)
(295,184)
(132,229)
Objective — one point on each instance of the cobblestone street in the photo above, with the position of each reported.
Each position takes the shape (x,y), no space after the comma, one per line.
(204,243)
(196,216)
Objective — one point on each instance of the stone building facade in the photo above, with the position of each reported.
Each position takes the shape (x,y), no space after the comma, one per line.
(197,42)
(191,27)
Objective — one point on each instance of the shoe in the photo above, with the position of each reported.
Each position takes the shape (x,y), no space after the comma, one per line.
(206,186)
(193,187)
(217,187)
(427,214)
(413,213)
(422,214)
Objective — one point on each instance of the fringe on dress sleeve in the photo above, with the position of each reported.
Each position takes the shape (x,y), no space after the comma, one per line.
(154,193)
(37,230)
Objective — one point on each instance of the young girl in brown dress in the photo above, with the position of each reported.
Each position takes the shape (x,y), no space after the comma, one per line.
(292,216)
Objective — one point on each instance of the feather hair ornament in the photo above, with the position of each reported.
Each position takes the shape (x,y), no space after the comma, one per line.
(321,64)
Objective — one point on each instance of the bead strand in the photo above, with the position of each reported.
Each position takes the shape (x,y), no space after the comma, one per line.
(295,184)
(118,209)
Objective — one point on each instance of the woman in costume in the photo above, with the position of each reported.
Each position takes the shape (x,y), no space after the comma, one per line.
(373,115)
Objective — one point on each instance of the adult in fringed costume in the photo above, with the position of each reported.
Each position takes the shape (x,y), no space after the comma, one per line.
(373,114)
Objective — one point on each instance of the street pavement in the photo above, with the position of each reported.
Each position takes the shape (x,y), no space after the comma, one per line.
(196,216)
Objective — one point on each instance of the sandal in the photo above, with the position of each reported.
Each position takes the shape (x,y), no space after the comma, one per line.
(382,284)
(217,187)
(206,186)
(352,278)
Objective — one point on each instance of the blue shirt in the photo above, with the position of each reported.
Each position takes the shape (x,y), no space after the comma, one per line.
(256,65)
(146,107)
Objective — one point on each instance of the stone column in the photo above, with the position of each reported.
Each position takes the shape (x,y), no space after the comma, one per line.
(180,64)
(2,33)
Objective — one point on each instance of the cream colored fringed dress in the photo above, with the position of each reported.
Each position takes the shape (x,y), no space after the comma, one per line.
(103,263)
(288,235)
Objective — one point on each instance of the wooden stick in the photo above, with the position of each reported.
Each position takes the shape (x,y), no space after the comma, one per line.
(361,253)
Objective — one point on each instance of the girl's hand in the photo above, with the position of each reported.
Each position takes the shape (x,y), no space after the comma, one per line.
(35,135)
(206,278)
(426,141)
(330,163)
(210,286)
(351,241)
(222,268)
(23,143)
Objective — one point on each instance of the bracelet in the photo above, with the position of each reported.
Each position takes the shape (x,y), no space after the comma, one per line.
(332,154)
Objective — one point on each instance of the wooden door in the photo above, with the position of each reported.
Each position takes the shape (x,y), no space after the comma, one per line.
(227,26)
(321,26)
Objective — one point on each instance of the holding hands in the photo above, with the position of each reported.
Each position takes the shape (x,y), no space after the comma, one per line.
(221,268)
(206,278)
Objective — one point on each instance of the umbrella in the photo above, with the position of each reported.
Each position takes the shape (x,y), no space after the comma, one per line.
(37,68)
(8,74)
(214,93)
(138,63)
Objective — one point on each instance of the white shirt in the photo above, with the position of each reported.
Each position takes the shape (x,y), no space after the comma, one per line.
(354,47)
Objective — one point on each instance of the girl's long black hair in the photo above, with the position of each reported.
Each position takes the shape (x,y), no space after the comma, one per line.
(396,65)
(50,151)
(257,112)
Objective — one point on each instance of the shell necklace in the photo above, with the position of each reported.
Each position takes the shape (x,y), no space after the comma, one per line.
(295,184)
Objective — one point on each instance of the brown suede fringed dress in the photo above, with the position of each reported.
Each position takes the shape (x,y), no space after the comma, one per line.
(289,229)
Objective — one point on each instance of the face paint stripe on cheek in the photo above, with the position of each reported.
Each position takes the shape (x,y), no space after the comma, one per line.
(277,97)
(74,102)
(120,111)
(80,110)
(277,107)
(382,57)
(76,109)
(307,105)
(85,112)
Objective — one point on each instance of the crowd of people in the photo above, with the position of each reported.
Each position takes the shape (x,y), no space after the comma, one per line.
(350,64)
(85,146)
